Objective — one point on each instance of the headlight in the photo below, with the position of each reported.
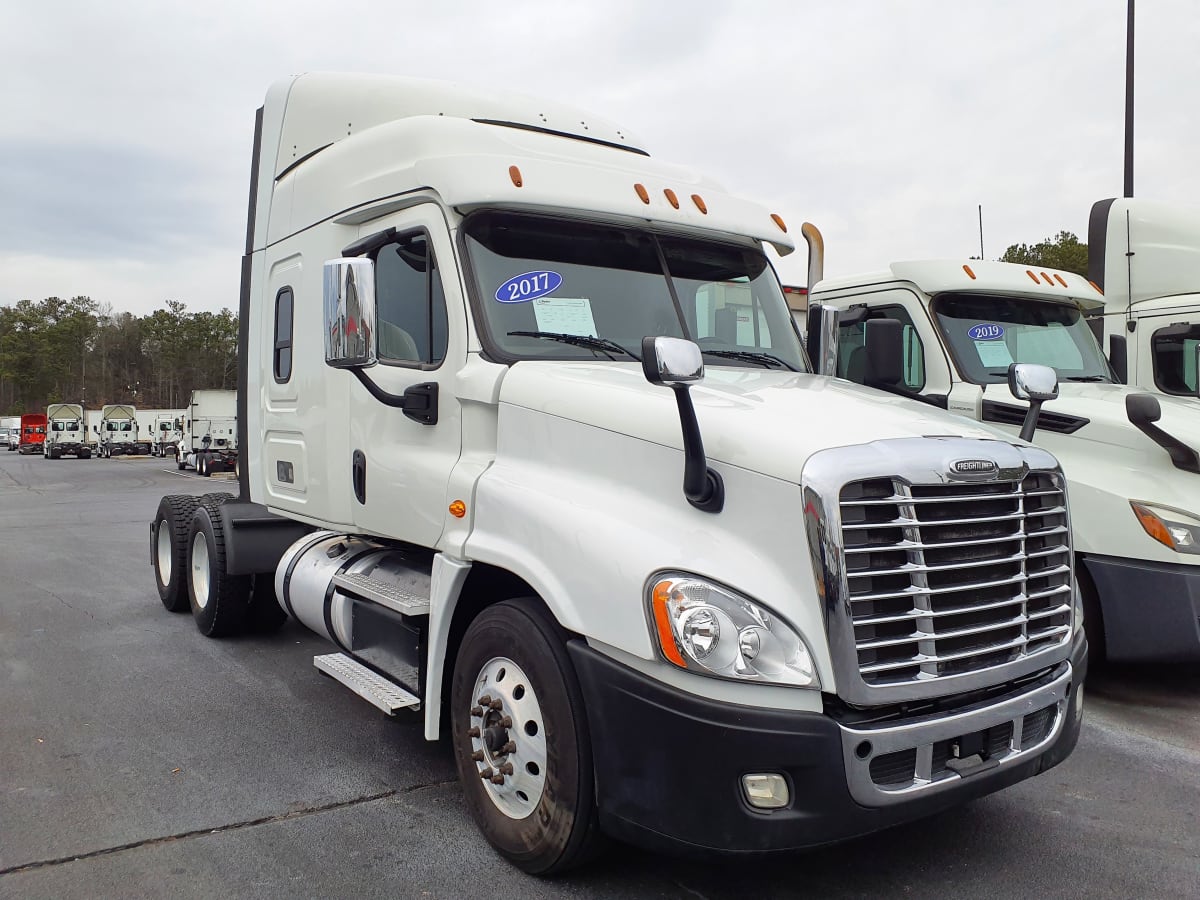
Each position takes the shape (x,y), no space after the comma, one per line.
(706,628)
(1172,527)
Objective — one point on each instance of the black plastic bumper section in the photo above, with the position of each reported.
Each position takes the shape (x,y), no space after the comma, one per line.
(669,766)
(1151,610)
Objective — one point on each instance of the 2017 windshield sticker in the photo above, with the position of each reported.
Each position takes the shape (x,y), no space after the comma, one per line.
(528,286)
(985,331)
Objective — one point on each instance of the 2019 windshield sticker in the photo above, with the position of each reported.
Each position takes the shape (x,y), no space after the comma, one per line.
(528,286)
(985,331)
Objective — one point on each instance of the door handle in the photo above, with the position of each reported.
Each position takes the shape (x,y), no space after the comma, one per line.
(358,474)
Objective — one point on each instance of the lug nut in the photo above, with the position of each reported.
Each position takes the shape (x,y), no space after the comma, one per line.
(477,756)
(506,722)
(496,704)
(487,773)
(473,731)
(497,779)
(485,699)
(506,768)
(476,711)
(510,747)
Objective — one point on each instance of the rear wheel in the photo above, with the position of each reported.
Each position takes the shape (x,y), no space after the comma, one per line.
(220,602)
(172,525)
(521,739)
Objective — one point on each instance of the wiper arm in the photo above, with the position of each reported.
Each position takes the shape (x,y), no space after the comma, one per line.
(1085,378)
(766,360)
(604,345)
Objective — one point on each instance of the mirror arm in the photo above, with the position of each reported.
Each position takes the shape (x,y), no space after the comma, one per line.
(418,402)
(1143,410)
(702,486)
(1029,426)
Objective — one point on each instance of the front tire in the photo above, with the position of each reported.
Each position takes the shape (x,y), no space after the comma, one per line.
(169,550)
(521,739)
(220,602)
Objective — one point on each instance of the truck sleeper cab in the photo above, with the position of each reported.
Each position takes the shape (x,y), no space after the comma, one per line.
(528,435)
(117,432)
(1130,459)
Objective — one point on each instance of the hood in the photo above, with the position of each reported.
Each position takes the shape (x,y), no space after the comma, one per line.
(1103,405)
(765,421)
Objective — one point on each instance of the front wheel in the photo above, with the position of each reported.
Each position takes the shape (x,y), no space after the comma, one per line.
(521,739)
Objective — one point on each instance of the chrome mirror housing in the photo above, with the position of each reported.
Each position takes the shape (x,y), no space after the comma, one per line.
(1029,381)
(668,360)
(349,300)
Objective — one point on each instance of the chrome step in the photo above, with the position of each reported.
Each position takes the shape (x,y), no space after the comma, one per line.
(383,593)
(369,685)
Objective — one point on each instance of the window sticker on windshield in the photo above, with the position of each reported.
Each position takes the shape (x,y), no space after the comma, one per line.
(528,286)
(565,315)
(994,354)
(985,331)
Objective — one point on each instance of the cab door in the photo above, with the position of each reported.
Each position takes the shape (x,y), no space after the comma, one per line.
(398,461)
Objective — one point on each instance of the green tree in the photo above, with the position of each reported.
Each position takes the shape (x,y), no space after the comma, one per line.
(1061,252)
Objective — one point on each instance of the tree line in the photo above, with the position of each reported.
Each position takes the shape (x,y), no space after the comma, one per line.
(80,351)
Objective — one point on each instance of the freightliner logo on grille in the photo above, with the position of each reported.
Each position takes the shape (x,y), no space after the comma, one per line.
(974,467)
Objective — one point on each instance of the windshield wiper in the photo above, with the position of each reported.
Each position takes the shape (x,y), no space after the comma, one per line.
(766,360)
(604,345)
(1086,378)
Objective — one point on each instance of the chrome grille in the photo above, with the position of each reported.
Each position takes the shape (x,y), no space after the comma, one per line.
(950,579)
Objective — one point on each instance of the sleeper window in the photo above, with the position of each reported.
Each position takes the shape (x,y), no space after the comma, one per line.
(283,335)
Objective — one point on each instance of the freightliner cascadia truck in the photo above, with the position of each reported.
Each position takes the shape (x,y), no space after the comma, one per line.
(208,433)
(1145,255)
(66,432)
(1132,459)
(528,434)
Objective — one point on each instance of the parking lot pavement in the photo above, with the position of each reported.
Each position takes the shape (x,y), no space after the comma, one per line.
(139,759)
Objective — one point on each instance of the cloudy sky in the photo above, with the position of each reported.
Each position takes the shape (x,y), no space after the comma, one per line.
(125,128)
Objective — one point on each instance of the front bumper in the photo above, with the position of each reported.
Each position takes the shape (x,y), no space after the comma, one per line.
(1151,611)
(669,764)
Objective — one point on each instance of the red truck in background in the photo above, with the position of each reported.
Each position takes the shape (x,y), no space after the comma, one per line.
(33,432)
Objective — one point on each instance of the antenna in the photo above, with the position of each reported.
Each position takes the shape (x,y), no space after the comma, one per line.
(981,231)
(1129,102)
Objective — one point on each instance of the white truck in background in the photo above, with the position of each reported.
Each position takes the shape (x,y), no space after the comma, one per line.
(507,447)
(1145,256)
(66,432)
(166,429)
(1132,460)
(11,426)
(117,431)
(208,436)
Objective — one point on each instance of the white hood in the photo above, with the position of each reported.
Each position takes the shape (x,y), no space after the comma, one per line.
(765,421)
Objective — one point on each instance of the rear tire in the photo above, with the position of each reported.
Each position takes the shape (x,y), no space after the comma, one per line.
(220,602)
(542,816)
(169,549)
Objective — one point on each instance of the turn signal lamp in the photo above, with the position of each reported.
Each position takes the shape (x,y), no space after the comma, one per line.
(458,509)
(1170,527)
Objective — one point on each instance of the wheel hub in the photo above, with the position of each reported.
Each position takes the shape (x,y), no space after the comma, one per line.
(507,738)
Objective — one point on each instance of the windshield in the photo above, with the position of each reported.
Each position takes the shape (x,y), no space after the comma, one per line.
(65,425)
(986,334)
(558,289)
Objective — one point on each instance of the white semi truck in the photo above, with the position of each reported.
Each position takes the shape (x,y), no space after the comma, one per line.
(1145,255)
(166,429)
(1131,458)
(66,432)
(208,433)
(117,431)
(505,447)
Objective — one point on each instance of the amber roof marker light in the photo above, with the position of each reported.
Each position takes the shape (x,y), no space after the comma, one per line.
(515,174)
(671,198)
(970,274)
(778,220)
(642,193)
(700,204)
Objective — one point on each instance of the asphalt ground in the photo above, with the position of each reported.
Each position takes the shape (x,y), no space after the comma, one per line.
(139,759)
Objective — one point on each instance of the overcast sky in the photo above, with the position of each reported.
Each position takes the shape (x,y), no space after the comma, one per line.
(126,128)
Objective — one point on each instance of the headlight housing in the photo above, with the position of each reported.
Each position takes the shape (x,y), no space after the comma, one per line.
(1173,528)
(706,628)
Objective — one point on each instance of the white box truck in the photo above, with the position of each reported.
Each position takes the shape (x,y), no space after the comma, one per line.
(1145,256)
(1131,458)
(66,432)
(504,447)
(11,428)
(208,433)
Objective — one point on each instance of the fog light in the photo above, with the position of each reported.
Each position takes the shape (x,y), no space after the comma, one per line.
(766,791)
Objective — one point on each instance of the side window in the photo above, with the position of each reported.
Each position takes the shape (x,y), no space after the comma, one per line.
(1174,351)
(852,350)
(410,304)
(283,335)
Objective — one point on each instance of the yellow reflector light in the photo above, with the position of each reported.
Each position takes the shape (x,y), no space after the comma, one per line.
(1049,280)
(662,622)
(458,509)
(970,274)
(700,205)
(515,174)
(1060,279)
(1097,287)
(1032,276)
(671,198)
(1153,525)
(779,221)
(642,192)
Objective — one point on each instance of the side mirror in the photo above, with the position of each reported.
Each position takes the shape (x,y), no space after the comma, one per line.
(1118,357)
(884,340)
(1196,367)
(349,300)
(823,322)
(677,363)
(1037,384)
